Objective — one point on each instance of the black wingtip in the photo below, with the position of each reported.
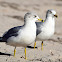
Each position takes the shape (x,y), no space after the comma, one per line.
(1,39)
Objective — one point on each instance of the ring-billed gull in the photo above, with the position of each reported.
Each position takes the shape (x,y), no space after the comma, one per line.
(22,35)
(46,28)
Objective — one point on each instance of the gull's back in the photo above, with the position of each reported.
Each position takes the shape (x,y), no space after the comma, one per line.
(11,32)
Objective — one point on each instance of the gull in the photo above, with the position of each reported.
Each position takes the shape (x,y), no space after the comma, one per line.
(22,35)
(46,28)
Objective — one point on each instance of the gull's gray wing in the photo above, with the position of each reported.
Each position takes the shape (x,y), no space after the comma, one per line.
(11,32)
(39,27)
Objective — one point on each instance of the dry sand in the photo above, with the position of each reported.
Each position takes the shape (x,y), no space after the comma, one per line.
(12,13)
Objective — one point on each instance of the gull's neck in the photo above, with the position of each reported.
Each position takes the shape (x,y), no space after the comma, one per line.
(50,21)
(29,23)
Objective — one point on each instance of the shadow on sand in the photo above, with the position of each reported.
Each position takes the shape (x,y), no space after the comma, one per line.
(31,47)
(5,54)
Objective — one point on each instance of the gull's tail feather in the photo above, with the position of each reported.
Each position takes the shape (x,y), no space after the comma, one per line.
(1,39)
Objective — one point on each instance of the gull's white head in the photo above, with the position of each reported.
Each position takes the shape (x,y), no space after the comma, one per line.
(51,13)
(30,16)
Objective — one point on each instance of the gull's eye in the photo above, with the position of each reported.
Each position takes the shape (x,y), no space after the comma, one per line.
(50,12)
(35,16)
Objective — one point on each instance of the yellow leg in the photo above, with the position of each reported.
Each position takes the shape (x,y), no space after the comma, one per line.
(34,45)
(25,53)
(42,45)
(14,51)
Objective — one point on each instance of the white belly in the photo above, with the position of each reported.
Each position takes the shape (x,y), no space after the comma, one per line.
(45,34)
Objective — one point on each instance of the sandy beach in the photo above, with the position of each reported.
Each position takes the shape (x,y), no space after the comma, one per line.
(12,14)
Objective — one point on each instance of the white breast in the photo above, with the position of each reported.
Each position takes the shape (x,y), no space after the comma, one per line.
(28,34)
